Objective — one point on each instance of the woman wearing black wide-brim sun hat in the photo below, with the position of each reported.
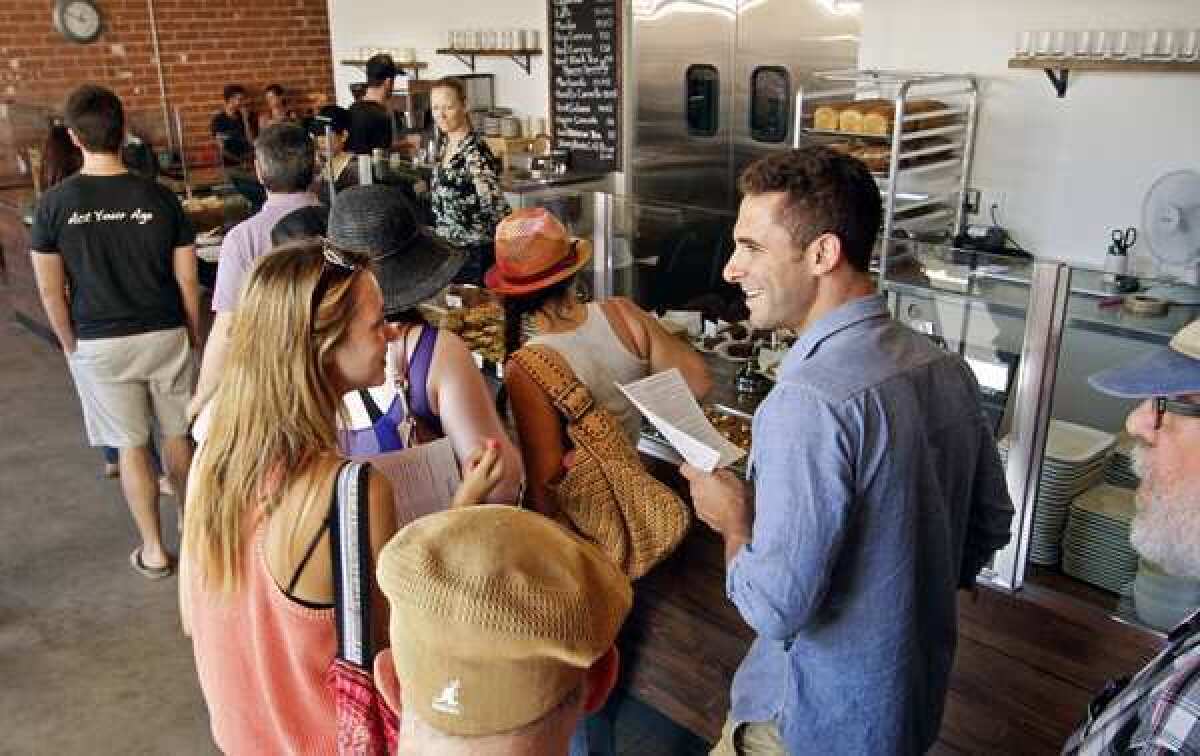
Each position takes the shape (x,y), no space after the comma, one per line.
(433,388)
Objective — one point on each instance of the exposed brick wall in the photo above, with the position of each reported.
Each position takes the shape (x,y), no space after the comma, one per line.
(204,44)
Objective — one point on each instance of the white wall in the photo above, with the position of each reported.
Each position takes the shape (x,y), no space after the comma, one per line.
(1071,169)
(422,24)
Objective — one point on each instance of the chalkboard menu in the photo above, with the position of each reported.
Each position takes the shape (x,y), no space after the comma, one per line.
(585,81)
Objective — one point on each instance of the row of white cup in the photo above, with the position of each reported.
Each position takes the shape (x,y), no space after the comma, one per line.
(399,54)
(1155,44)
(492,39)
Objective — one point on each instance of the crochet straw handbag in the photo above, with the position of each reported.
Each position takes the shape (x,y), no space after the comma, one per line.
(606,495)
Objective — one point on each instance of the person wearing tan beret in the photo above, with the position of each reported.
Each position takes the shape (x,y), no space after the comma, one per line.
(503,626)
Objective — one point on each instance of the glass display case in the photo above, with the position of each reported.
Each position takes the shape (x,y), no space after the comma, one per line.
(1033,332)
(1083,505)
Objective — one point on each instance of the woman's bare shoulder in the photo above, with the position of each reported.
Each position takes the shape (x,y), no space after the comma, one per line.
(451,354)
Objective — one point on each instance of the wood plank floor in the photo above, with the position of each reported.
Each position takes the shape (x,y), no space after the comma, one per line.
(1026,663)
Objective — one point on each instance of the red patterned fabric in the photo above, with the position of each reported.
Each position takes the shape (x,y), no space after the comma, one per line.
(366,725)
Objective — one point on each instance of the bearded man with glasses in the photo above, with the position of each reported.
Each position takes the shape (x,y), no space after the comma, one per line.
(1158,710)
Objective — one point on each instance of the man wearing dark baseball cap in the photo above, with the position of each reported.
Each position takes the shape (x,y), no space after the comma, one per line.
(1159,709)
(371,119)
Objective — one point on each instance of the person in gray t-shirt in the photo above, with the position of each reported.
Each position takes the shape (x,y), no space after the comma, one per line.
(877,488)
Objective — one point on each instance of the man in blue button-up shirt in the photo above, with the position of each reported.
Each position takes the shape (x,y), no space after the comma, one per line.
(877,489)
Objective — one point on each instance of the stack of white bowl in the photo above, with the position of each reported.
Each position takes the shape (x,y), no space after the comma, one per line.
(1163,600)
(1096,546)
(1073,463)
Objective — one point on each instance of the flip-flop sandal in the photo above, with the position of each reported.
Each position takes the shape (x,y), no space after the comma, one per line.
(150,573)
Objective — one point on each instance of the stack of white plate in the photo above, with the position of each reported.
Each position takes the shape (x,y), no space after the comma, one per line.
(1119,470)
(1096,545)
(1073,463)
(1163,600)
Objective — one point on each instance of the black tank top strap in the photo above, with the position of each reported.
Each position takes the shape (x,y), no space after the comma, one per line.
(312,547)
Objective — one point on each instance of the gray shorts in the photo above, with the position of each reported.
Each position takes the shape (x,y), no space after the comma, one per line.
(130,384)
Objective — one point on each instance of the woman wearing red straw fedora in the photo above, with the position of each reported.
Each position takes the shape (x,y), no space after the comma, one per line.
(604,343)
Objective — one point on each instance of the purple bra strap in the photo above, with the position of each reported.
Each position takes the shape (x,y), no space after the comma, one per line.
(418,377)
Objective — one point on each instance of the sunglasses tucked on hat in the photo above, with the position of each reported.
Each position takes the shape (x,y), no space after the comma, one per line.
(410,263)
(533,251)
(497,613)
(1173,370)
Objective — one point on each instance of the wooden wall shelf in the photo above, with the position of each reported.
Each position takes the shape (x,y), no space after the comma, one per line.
(415,66)
(1058,69)
(522,58)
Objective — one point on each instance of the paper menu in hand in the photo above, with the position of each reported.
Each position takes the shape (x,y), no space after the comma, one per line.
(667,402)
(424,478)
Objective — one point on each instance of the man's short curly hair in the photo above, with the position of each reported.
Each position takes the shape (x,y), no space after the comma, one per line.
(827,192)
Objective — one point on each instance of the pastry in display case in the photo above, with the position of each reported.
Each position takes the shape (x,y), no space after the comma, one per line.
(735,351)
(476,315)
(733,424)
(734,427)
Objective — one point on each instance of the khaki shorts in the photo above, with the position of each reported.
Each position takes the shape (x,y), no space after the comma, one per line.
(749,739)
(130,384)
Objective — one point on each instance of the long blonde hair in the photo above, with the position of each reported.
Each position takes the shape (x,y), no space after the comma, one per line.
(273,417)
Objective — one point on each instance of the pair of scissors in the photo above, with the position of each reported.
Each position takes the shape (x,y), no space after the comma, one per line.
(1124,240)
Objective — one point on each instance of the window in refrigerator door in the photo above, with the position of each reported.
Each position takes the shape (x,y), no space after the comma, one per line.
(702,91)
(770,104)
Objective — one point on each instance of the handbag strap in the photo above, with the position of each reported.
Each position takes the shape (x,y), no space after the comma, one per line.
(551,373)
(350,539)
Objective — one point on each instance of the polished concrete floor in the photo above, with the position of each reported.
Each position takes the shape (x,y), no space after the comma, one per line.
(91,657)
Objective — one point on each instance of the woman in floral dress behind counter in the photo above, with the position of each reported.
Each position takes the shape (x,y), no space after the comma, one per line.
(467,199)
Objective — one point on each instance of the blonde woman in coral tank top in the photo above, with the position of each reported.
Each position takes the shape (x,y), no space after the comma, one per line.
(257,577)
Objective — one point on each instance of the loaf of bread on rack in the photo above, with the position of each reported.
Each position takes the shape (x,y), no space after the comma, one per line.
(844,146)
(880,119)
(825,118)
(877,157)
(850,118)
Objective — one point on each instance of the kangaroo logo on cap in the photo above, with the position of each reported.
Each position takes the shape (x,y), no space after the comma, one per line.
(447,702)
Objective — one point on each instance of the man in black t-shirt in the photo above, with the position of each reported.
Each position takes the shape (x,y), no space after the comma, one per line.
(116,271)
(370,117)
(230,126)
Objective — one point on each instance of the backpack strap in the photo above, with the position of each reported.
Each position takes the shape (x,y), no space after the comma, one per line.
(350,540)
(555,377)
(373,411)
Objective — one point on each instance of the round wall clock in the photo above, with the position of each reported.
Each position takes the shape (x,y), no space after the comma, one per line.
(77,20)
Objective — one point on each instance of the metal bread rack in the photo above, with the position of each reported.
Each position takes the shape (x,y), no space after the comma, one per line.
(921,160)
